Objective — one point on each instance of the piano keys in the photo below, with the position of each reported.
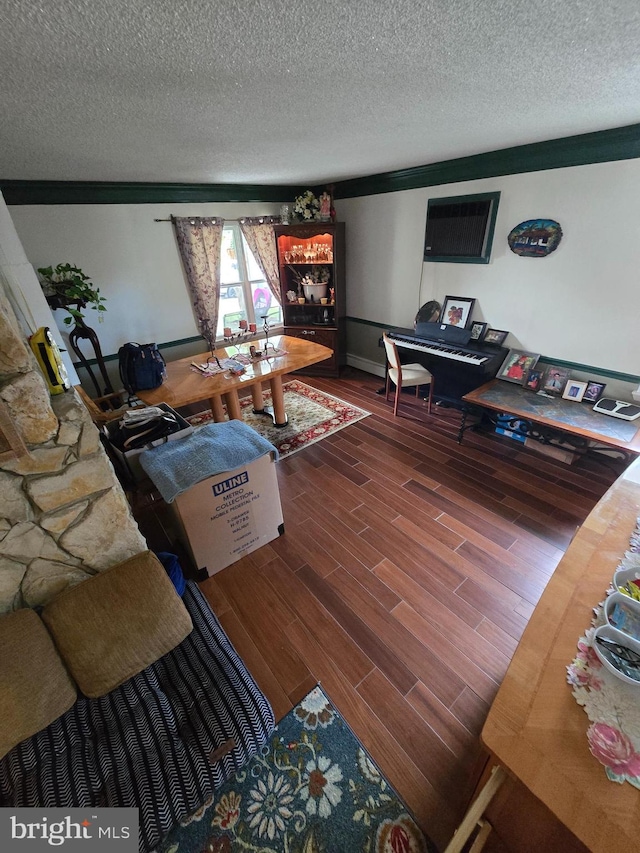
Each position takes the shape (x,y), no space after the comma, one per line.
(440,350)
(456,369)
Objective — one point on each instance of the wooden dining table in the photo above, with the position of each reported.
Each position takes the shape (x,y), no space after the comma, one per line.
(185,384)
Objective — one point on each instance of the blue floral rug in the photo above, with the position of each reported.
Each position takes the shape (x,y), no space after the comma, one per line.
(312,789)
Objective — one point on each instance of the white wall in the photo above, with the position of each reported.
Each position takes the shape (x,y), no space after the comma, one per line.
(581,303)
(132,259)
(18,278)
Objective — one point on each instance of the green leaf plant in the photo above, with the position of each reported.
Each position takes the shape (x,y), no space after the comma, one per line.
(67,287)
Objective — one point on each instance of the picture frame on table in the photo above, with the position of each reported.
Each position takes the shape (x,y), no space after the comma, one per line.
(477,331)
(554,380)
(495,336)
(533,379)
(593,392)
(456,311)
(516,365)
(574,390)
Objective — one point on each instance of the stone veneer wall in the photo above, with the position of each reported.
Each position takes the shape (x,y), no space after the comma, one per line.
(63,514)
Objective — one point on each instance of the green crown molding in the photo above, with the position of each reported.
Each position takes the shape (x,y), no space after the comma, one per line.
(603,146)
(622,143)
(96,192)
(544,359)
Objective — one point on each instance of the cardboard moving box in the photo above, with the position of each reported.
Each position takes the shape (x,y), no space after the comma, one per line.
(229,515)
(562,454)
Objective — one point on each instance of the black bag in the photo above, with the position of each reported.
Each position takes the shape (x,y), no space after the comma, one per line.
(138,433)
(142,367)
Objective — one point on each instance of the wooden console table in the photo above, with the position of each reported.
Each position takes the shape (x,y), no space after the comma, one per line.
(535,730)
(576,424)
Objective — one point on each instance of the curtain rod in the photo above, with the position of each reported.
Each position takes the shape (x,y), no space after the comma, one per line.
(240,219)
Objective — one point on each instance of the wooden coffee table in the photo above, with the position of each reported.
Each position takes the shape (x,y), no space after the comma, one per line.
(184,385)
(576,423)
(535,730)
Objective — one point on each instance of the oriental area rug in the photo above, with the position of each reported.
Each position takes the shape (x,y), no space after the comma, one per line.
(312,789)
(313,415)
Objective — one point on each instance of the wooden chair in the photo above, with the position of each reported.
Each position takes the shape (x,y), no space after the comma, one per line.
(114,402)
(83,332)
(405,375)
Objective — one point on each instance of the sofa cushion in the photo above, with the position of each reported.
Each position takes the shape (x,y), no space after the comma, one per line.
(114,625)
(35,688)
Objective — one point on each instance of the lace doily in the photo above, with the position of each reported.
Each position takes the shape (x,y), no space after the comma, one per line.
(612,706)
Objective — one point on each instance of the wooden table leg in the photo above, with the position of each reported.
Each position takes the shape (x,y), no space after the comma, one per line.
(233,405)
(256,396)
(476,810)
(277,398)
(484,831)
(217,409)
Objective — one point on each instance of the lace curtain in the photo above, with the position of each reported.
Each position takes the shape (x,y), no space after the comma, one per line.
(199,240)
(261,240)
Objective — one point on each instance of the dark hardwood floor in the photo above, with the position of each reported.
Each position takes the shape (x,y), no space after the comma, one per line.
(406,575)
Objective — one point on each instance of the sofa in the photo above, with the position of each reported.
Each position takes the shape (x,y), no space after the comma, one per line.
(126,695)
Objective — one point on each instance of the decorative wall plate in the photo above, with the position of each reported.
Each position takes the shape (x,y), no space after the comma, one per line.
(535,238)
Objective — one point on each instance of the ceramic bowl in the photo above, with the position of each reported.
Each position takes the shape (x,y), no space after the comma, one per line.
(621,598)
(610,633)
(621,577)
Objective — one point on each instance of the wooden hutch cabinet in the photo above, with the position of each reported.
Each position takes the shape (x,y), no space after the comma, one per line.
(314,311)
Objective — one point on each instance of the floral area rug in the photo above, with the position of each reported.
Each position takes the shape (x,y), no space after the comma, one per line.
(312,789)
(312,414)
(612,706)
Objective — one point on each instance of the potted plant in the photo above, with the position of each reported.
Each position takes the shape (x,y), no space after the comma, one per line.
(313,283)
(67,287)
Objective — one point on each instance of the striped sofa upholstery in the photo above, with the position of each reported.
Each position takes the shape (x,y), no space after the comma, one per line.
(147,743)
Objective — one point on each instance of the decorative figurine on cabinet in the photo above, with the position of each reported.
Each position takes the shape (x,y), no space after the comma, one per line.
(325,207)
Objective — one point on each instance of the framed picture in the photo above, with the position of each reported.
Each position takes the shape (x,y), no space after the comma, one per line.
(593,392)
(517,364)
(554,380)
(533,379)
(477,331)
(574,390)
(456,311)
(495,336)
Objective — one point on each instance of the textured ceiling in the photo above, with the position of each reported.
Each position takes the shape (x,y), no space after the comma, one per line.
(273,92)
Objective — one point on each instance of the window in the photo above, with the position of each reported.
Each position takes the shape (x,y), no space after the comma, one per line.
(244,294)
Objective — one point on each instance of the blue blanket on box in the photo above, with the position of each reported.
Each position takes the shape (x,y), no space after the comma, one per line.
(177,465)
